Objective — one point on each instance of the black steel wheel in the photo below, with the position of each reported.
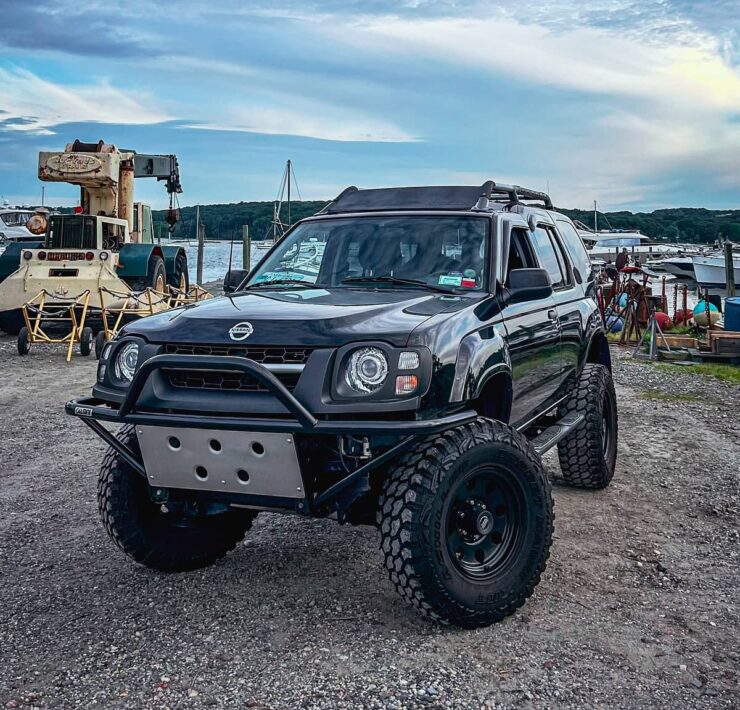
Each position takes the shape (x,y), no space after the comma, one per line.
(24,344)
(588,455)
(486,517)
(466,523)
(165,538)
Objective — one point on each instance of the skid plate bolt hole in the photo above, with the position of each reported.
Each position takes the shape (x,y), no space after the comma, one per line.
(215,446)
(242,475)
(258,449)
(201,472)
(174,443)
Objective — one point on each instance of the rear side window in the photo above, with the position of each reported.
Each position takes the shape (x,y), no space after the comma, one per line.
(520,252)
(576,249)
(545,247)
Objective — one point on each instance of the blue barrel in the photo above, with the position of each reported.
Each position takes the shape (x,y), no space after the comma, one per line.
(732,313)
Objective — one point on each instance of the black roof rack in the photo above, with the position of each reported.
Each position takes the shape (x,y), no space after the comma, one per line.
(432,198)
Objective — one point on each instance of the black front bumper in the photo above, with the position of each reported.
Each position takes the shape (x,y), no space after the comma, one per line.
(300,421)
(93,411)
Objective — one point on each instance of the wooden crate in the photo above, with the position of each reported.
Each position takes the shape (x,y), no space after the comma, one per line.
(678,341)
(724,342)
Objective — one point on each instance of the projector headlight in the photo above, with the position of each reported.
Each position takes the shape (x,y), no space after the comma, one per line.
(367,370)
(126,360)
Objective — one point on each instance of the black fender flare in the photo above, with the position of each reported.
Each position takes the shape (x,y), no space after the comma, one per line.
(482,355)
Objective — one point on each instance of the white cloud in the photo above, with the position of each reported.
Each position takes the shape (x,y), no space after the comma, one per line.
(663,106)
(34,104)
(585,59)
(308,120)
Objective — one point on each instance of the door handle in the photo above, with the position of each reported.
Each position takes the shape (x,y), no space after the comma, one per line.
(552,314)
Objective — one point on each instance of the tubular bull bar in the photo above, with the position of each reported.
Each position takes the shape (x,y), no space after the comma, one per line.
(92,411)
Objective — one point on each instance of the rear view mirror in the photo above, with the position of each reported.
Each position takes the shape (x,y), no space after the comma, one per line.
(233,278)
(528,285)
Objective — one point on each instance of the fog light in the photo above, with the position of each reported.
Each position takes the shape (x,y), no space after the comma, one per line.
(405,384)
(408,361)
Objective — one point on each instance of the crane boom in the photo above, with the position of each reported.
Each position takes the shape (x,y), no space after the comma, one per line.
(162,167)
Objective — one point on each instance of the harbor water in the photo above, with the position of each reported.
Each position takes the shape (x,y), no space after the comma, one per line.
(216,258)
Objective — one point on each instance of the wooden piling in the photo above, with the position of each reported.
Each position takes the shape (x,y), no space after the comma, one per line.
(201,248)
(246,249)
(729,269)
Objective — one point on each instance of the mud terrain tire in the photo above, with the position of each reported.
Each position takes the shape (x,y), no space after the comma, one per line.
(588,454)
(466,520)
(162,541)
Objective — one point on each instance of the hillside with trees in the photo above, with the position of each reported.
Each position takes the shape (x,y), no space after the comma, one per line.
(682,224)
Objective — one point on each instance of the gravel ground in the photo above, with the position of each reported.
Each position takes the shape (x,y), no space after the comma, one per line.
(638,607)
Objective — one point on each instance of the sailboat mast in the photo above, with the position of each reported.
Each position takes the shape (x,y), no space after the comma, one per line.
(596,219)
(289,169)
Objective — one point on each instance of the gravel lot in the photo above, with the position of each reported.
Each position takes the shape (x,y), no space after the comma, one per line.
(638,607)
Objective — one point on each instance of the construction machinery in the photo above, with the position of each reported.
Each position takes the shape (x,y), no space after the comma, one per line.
(106,248)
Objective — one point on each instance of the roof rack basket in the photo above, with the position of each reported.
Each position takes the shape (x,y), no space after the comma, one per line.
(432,198)
(514,193)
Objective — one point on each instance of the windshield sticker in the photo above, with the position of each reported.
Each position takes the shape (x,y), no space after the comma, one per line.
(450,280)
(468,283)
(280,275)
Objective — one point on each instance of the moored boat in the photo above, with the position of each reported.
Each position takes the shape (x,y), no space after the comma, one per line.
(711,271)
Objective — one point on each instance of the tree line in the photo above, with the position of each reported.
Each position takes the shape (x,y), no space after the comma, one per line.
(682,224)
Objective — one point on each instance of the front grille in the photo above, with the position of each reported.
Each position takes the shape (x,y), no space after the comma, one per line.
(263,354)
(224,381)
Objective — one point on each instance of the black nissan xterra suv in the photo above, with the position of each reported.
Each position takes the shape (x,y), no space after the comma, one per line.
(401,359)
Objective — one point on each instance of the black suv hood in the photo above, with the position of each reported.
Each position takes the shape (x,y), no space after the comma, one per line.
(311,316)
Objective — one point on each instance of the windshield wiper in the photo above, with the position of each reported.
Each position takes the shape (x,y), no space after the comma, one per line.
(279,282)
(396,280)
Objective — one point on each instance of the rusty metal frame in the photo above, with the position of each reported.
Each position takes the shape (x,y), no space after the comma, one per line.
(134,303)
(185,297)
(38,316)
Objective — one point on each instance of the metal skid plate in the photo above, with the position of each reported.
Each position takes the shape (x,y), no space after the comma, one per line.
(264,464)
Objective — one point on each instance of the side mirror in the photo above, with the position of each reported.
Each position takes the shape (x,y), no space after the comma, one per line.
(528,285)
(233,279)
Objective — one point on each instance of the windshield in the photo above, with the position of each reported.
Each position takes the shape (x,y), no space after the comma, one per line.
(16,219)
(71,232)
(435,251)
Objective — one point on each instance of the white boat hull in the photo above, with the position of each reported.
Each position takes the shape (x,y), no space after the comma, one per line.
(681,267)
(710,271)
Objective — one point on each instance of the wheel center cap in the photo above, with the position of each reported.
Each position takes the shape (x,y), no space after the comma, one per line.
(484,523)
